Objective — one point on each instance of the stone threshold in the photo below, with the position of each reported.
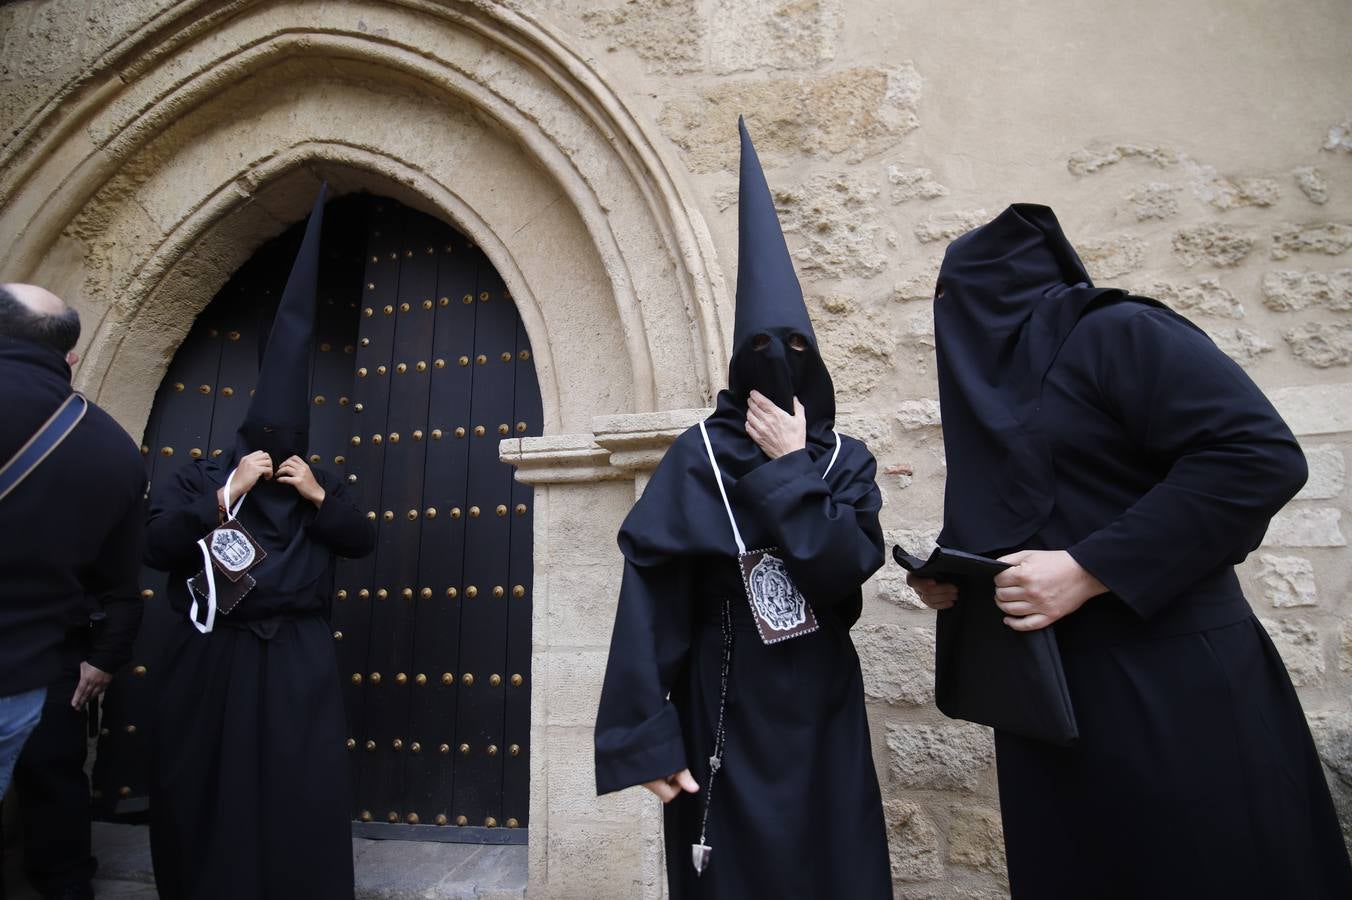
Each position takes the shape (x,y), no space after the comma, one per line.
(386,870)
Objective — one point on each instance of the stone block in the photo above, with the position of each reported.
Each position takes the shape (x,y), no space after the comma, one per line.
(889,584)
(939,757)
(1332,733)
(1240,344)
(583,520)
(1205,298)
(1220,245)
(912,842)
(1298,643)
(571,682)
(1095,159)
(1155,200)
(591,860)
(871,428)
(1339,137)
(1345,647)
(1315,408)
(857,343)
(1306,528)
(1287,580)
(1108,258)
(1321,344)
(976,839)
(773,34)
(667,34)
(918,285)
(918,539)
(897,662)
(1328,238)
(1328,473)
(947,226)
(1226,193)
(835,221)
(917,329)
(913,184)
(914,415)
(578,605)
(1312,184)
(850,111)
(1284,291)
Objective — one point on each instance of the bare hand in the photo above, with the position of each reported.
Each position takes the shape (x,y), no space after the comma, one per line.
(669,788)
(1041,587)
(251,468)
(296,472)
(93,682)
(934,594)
(776,432)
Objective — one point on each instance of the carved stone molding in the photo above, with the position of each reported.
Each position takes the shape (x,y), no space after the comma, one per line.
(618,447)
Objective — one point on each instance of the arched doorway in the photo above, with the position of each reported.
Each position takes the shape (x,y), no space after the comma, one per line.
(151,179)
(421,367)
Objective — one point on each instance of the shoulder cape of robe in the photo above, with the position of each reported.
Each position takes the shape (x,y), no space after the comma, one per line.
(827,533)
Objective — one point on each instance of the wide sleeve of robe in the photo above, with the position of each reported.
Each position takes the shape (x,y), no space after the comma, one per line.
(181,513)
(1230,461)
(339,525)
(828,532)
(638,734)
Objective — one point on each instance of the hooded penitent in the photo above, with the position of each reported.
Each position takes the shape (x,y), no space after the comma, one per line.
(1009,293)
(771,318)
(689,683)
(770,309)
(278,422)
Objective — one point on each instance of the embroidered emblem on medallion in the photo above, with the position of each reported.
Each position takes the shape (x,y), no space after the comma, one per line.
(778,601)
(232,550)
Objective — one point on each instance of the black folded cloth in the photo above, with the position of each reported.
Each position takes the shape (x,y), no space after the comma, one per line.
(984,671)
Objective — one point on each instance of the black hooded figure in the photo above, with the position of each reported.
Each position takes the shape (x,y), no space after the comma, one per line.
(250,775)
(1113,451)
(793,808)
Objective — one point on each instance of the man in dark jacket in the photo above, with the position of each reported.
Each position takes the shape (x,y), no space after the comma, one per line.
(52,788)
(72,529)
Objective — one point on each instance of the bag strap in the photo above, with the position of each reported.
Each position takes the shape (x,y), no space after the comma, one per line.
(210,569)
(56,429)
(722,491)
(834,454)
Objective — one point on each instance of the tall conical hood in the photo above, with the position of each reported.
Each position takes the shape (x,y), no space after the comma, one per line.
(770,304)
(278,419)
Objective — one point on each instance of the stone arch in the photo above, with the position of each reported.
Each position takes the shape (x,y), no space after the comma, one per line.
(145,182)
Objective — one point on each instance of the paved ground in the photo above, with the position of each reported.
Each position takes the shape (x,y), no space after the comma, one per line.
(386,870)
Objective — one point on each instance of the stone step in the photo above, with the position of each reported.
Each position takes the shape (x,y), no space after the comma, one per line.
(386,870)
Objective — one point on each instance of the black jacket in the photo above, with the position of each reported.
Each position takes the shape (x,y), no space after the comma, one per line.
(71,535)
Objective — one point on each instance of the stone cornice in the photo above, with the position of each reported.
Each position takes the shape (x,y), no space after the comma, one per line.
(619,447)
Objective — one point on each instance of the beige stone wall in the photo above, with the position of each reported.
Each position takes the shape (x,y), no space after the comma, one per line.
(1200,152)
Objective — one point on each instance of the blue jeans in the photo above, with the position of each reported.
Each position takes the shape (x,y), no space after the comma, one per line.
(19,714)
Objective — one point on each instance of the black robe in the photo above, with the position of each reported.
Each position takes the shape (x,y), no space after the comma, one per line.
(250,776)
(796,809)
(1195,774)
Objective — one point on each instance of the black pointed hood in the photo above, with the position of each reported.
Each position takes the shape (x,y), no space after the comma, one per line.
(278,419)
(1009,294)
(681,511)
(770,304)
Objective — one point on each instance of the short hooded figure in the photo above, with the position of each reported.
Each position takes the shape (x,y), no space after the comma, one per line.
(1124,464)
(250,781)
(733,690)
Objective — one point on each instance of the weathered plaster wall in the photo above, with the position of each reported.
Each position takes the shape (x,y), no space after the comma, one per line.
(1199,152)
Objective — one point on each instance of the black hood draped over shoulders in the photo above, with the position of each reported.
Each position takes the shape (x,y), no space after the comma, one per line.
(681,512)
(1009,293)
